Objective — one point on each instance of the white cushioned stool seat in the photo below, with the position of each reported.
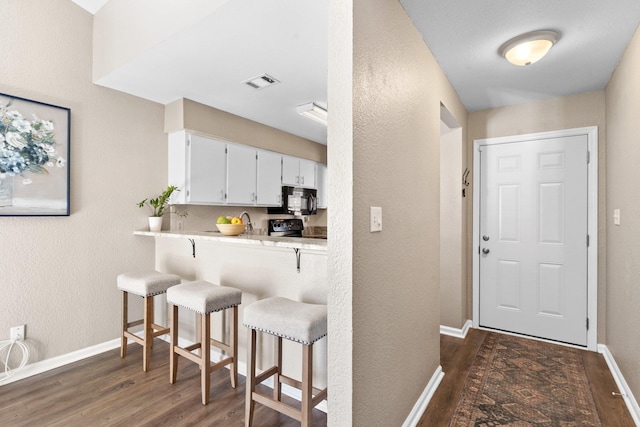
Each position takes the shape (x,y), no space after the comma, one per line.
(203,297)
(292,320)
(146,283)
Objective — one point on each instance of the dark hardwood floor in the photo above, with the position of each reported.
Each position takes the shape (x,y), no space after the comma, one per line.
(456,358)
(107,390)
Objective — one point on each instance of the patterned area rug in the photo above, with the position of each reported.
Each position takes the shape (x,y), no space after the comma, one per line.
(519,382)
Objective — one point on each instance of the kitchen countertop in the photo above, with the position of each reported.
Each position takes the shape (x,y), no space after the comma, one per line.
(255,240)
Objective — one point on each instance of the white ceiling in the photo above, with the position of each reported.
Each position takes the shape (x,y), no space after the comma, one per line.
(465,35)
(287,39)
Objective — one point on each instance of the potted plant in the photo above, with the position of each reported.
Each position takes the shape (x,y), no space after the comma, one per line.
(158,206)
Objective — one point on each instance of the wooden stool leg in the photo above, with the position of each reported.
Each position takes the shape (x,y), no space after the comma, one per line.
(205,361)
(251,378)
(307,389)
(125,321)
(173,356)
(233,371)
(148,332)
(277,358)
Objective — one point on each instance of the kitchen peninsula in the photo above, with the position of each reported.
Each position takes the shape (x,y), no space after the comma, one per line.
(261,266)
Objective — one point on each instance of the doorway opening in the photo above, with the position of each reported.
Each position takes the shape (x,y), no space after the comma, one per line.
(535,235)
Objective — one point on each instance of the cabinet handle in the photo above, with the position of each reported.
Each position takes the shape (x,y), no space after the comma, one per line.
(297,179)
(253,197)
(302,178)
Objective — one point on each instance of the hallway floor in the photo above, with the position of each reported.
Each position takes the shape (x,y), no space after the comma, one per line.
(457,356)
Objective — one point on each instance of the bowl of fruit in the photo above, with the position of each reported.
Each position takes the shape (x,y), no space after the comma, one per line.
(230,226)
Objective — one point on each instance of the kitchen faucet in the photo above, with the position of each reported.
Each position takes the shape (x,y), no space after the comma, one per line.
(249,225)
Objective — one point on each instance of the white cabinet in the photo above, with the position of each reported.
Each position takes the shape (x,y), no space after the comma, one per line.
(241,175)
(269,183)
(197,166)
(298,172)
(323,186)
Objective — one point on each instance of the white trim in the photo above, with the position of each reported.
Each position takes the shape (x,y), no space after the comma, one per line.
(623,387)
(455,332)
(62,360)
(592,220)
(424,399)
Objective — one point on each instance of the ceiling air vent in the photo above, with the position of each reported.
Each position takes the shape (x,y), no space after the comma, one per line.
(261,82)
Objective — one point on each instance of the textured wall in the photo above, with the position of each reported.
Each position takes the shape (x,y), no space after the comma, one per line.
(586,109)
(453,284)
(383,151)
(623,251)
(58,274)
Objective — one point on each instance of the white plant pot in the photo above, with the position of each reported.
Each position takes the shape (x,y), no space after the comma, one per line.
(155,223)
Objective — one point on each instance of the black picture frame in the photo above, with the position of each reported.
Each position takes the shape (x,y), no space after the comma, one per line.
(34,157)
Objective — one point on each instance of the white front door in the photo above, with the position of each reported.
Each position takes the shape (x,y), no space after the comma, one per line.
(533,238)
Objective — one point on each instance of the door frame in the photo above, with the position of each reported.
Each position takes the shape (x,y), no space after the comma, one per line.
(592,219)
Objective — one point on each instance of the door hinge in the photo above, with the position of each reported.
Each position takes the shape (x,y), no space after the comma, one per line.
(588,157)
(587,240)
(587,323)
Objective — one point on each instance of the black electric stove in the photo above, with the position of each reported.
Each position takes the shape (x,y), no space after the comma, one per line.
(286,227)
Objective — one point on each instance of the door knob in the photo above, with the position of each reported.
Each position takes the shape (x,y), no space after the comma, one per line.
(485,238)
(485,251)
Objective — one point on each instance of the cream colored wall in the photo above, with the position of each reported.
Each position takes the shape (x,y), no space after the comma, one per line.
(587,109)
(58,274)
(123,29)
(623,250)
(387,283)
(453,295)
(193,116)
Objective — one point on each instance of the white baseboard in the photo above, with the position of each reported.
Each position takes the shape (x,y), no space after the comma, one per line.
(65,359)
(627,395)
(424,399)
(454,332)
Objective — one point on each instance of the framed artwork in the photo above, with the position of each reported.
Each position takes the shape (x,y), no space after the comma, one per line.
(34,158)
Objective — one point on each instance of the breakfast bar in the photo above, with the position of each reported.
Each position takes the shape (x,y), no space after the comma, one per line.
(261,266)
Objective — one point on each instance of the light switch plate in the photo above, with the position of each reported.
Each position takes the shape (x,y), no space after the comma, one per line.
(376,219)
(616,217)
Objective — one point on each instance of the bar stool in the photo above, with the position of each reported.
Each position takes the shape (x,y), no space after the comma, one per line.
(204,298)
(295,321)
(146,284)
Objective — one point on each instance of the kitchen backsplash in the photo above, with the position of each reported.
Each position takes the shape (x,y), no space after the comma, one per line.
(203,218)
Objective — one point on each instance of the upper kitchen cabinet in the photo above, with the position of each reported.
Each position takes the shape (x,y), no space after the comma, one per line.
(323,186)
(198,167)
(298,172)
(241,175)
(269,183)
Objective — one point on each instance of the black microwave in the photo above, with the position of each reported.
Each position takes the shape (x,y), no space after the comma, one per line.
(297,201)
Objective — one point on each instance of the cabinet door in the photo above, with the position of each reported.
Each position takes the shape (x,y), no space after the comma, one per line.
(290,171)
(269,178)
(206,170)
(323,186)
(241,175)
(307,173)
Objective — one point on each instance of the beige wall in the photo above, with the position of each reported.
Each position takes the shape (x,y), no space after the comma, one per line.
(386,142)
(193,116)
(587,109)
(453,285)
(623,250)
(58,274)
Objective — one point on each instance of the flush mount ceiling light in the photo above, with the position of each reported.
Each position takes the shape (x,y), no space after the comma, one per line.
(313,112)
(528,48)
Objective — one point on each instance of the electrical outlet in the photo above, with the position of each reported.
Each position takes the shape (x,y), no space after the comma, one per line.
(17,333)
